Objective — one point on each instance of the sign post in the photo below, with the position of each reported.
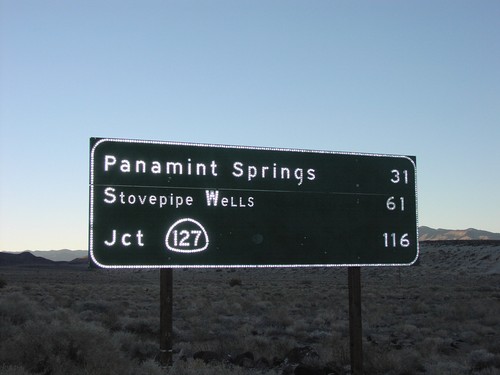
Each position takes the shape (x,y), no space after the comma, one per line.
(355,324)
(166,316)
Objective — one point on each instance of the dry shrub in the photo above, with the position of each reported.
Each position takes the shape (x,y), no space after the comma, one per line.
(13,370)
(268,347)
(446,367)
(98,311)
(143,326)
(482,359)
(276,319)
(32,341)
(63,348)
(235,282)
(392,362)
(17,309)
(134,348)
(198,367)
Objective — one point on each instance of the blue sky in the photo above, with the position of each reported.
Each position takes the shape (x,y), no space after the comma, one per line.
(400,77)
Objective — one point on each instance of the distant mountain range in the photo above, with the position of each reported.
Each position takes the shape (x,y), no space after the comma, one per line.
(31,256)
(431,234)
(29,259)
(26,258)
(61,255)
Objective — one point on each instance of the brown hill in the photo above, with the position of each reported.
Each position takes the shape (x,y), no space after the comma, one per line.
(25,259)
(431,234)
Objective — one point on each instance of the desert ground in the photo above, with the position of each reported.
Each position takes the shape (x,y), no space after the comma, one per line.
(441,316)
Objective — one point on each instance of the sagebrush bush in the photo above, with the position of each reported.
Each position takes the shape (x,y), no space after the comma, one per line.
(62,348)
(143,326)
(481,359)
(13,370)
(235,282)
(33,342)
(16,309)
(198,367)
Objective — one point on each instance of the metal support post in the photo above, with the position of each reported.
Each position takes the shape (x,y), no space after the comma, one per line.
(166,302)
(355,327)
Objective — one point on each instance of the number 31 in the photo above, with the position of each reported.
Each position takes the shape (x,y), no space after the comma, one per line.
(396,176)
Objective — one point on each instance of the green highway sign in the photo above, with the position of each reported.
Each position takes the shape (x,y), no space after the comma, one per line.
(166,204)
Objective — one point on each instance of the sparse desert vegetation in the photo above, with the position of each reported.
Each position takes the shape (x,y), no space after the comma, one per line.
(439,317)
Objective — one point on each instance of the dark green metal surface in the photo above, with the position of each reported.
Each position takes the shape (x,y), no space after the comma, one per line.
(322,209)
